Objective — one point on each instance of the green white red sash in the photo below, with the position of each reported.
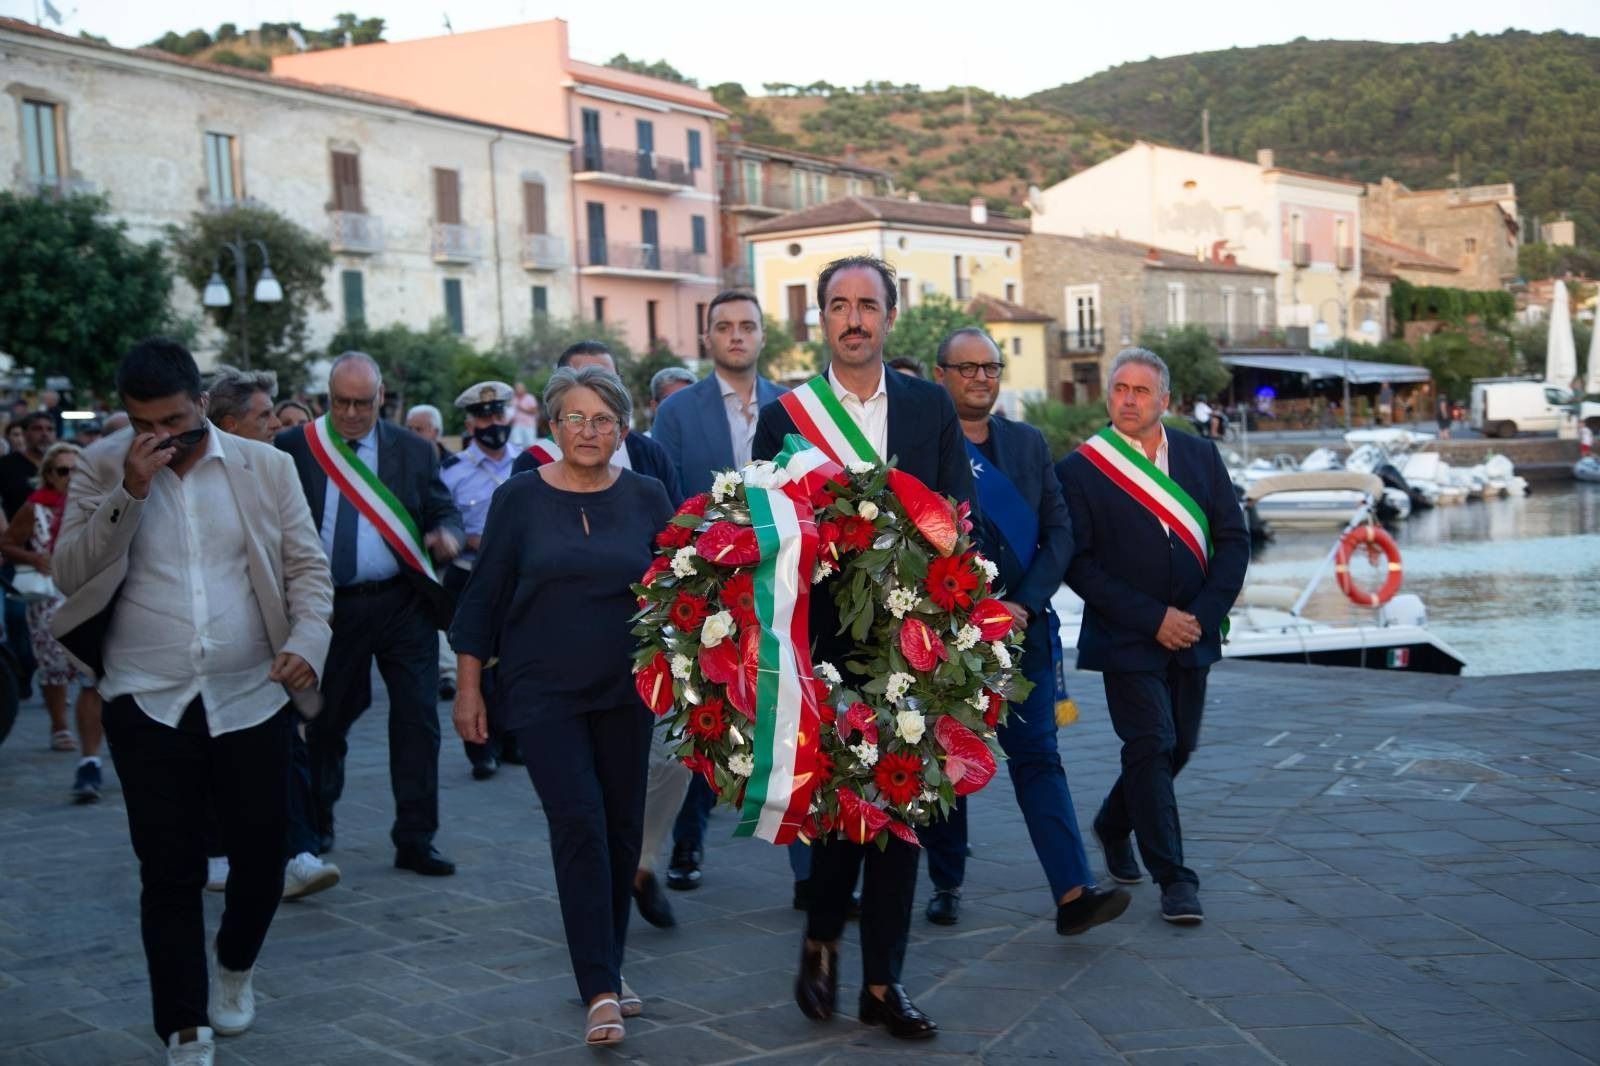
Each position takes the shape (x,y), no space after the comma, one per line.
(358,484)
(1131,471)
(777,796)
(822,420)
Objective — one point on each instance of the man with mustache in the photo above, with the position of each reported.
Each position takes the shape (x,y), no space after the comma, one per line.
(860,411)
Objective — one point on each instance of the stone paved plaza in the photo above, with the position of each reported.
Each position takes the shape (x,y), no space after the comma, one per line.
(1396,870)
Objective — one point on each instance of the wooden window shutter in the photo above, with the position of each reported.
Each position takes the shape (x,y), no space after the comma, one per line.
(533,220)
(446,197)
(347,182)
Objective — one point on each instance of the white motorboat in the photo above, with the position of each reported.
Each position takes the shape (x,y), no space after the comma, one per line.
(1315,504)
(1587,468)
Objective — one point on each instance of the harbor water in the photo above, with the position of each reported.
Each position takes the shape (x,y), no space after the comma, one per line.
(1512,584)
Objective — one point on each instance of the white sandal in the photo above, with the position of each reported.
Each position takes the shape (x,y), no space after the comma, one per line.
(592,1027)
(630,1004)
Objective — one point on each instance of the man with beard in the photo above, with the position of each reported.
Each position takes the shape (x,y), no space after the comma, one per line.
(860,411)
(1027,533)
(480,468)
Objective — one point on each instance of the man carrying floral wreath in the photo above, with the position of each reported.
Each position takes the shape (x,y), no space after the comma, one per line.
(857,411)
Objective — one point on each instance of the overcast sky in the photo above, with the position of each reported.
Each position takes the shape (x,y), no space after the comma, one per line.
(1014,48)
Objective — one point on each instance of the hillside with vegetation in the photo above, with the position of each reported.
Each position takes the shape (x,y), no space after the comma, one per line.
(1515,106)
(253,49)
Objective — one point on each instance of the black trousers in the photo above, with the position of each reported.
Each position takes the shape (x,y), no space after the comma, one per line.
(389,625)
(888,885)
(589,770)
(170,779)
(1157,715)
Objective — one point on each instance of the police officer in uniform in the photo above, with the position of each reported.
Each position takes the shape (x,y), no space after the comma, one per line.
(482,466)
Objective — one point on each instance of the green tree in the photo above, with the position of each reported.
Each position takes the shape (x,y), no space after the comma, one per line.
(919,329)
(1192,358)
(637,374)
(419,366)
(1065,426)
(541,344)
(1454,358)
(300,261)
(659,69)
(77,292)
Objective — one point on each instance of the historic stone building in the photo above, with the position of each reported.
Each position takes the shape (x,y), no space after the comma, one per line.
(1472,229)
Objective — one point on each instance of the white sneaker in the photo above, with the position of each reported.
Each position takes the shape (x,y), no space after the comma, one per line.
(217,873)
(200,1051)
(233,999)
(307,875)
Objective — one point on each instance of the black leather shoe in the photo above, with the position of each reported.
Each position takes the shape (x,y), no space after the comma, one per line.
(484,767)
(1120,861)
(945,907)
(1180,903)
(683,872)
(896,1011)
(652,902)
(1093,907)
(816,988)
(425,861)
(802,895)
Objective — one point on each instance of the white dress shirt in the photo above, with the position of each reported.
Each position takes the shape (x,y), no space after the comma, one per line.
(187,623)
(1160,460)
(741,421)
(870,414)
(374,560)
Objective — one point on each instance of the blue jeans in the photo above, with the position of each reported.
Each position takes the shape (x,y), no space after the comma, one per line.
(689,830)
(1028,738)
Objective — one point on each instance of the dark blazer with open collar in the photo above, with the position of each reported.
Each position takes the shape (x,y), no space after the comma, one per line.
(692,425)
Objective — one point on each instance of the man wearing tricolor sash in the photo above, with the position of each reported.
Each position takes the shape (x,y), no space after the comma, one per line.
(1026,532)
(858,412)
(1160,555)
(385,518)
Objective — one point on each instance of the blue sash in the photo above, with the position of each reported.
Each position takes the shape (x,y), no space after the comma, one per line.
(1003,506)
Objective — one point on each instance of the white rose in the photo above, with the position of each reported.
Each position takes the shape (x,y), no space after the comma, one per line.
(899,685)
(829,673)
(867,509)
(1002,655)
(741,765)
(680,667)
(968,637)
(716,629)
(683,561)
(910,726)
(867,753)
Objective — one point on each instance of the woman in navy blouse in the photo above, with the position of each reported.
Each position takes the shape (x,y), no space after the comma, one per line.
(550,596)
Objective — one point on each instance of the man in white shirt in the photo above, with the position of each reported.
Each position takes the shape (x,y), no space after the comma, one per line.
(198,660)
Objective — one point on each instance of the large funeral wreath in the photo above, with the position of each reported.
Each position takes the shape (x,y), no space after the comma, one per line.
(877,744)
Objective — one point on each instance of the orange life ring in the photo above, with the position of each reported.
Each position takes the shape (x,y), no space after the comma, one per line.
(1375,537)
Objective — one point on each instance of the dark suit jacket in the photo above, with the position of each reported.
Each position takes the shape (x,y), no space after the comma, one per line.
(645,456)
(692,425)
(1024,457)
(924,436)
(409,467)
(1129,572)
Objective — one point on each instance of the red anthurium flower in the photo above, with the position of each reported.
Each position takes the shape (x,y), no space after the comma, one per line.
(654,683)
(991,713)
(738,595)
(727,544)
(928,511)
(859,820)
(687,611)
(824,494)
(855,533)
(705,719)
(814,825)
(828,541)
(992,619)
(826,712)
(898,776)
(968,762)
(702,766)
(750,667)
(673,536)
(720,662)
(950,582)
(657,566)
(695,505)
(904,832)
(860,716)
(921,645)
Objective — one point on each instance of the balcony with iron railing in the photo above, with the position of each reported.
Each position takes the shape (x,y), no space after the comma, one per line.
(769,197)
(1302,254)
(1082,340)
(455,243)
(541,251)
(1345,257)
(59,188)
(626,166)
(355,233)
(622,257)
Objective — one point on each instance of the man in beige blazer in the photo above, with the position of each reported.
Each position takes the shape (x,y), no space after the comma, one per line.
(198,660)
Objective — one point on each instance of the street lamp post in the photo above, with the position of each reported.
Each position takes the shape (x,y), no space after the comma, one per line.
(267,290)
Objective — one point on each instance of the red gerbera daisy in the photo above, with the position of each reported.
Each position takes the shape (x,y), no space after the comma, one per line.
(855,533)
(673,535)
(695,505)
(687,611)
(705,720)
(738,595)
(899,777)
(950,582)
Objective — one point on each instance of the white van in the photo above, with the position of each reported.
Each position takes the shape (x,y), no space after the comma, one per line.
(1504,407)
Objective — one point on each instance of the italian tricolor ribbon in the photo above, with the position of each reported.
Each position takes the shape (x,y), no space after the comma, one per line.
(1131,471)
(371,497)
(777,796)
(823,421)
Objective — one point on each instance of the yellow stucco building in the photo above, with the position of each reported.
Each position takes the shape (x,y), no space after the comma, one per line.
(953,250)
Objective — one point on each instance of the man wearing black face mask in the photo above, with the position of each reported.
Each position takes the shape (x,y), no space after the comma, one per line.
(480,468)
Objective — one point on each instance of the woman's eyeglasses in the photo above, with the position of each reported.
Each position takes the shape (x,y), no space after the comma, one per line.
(62,471)
(603,424)
(970,370)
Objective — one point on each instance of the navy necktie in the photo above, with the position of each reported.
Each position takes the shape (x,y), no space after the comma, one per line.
(344,536)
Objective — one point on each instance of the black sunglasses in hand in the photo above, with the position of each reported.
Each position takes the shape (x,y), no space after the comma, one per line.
(187,438)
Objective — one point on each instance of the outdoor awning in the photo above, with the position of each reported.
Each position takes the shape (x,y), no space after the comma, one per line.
(1319,367)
